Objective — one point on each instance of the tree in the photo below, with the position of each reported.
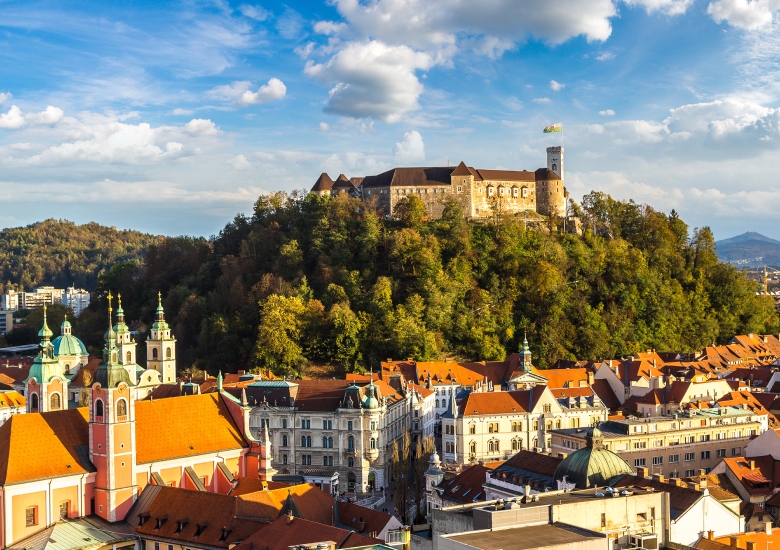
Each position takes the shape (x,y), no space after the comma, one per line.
(410,210)
(399,465)
(422,452)
(278,345)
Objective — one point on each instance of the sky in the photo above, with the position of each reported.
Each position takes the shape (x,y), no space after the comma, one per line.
(172,117)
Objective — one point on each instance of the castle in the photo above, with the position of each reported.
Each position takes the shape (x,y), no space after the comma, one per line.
(481,193)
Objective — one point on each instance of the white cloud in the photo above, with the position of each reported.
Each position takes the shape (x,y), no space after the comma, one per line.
(229,92)
(410,150)
(240,162)
(254,12)
(556,86)
(5,96)
(353,163)
(201,127)
(324,126)
(605,56)
(13,119)
(275,89)
(745,14)
(607,112)
(541,100)
(669,7)
(180,111)
(372,79)
(329,27)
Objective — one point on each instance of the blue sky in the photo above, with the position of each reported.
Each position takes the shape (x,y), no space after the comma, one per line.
(170,117)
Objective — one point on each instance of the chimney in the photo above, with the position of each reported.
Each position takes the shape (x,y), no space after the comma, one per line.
(660,478)
(752,464)
(590,378)
(641,472)
(734,542)
(289,517)
(768,527)
(679,482)
(710,535)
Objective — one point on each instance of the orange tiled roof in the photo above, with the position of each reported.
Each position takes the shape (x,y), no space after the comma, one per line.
(246,485)
(501,402)
(11,399)
(184,426)
(565,378)
(43,446)
(285,532)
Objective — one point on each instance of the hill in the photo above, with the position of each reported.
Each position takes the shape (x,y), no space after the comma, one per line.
(61,253)
(750,249)
(330,280)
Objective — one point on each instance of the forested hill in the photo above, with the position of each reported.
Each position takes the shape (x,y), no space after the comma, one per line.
(61,253)
(326,279)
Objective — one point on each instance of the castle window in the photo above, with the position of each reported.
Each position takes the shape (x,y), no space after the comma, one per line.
(500,190)
(460,189)
(490,191)
(99,408)
(55,401)
(525,192)
(121,408)
(128,358)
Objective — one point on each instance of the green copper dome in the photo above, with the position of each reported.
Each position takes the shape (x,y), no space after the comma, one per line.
(371,397)
(592,465)
(66,344)
(110,373)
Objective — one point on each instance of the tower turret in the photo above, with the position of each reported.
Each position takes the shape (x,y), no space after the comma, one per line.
(126,346)
(161,346)
(46,385)
(525,356)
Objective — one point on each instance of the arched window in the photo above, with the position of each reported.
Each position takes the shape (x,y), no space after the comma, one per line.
(55,401)
(558,424)
(284,441)
(121,408)
(473,448)
(437,403)
(34,402)
(308,441)
(303,441)
(517,444)
(554,167)
(167,353)
(128,357)
(472,429)
(350,443)
(536,441)
(372,443)
(325,442)
(154,353)
(67,369)
(99,407)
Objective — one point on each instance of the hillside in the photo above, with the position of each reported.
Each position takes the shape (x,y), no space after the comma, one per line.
(61,253)
(749,250)
(329,280)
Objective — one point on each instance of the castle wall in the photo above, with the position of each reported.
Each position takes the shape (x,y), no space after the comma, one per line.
(508,197)
(551,198)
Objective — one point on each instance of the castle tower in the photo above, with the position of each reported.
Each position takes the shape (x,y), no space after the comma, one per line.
(125,342)
(46,387)
(161,347)
(112,434)
(525,356)
(555,160)
(462,182)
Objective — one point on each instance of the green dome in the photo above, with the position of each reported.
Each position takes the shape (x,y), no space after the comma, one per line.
(592,465)
(109,376)
(371,398)
(68,345)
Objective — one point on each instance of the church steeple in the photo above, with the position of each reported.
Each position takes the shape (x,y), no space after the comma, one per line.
(161,346)
(110,373)
(525,356)
(46,385)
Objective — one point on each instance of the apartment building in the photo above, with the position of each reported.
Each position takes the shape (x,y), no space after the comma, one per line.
(333,433)
(672,446)
(496,425)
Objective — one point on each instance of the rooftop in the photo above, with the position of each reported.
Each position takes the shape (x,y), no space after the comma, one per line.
(522,538)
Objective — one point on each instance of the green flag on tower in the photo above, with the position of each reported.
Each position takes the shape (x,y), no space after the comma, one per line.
(553,128)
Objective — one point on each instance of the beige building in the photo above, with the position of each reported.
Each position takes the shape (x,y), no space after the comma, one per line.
(496,425)
(672,446)
(481,193)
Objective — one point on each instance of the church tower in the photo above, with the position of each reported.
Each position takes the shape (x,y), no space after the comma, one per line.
(525,356)
(125,342)
(46,387)
(112,433)
(161,347)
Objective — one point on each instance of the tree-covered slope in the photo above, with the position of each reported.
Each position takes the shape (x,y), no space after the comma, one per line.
(327,279)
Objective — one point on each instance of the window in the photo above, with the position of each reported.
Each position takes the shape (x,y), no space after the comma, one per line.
(284,423)
(736,451)
(689,439)
(34,402)
(517,444)
(327,424)
(689,457)
(327,461)
(493,427)
(305,423)
(349,425)
(689,473)
(350,443)
(640,462)
(167,353)
(284,441)
(536,425)
(517,426)
(472,429)
(547,408)
(705,454)
(31,516)
(156,546)
(658,460)
(374,425)
(284,459)
(640,444)
(64,509)
(121,408)
(460,189)
(306,460)
(473,448)
(674,459)
(372,443)
(98,406)
(437,403)
(720,453)
(704,437)
(55,401)
(351,462)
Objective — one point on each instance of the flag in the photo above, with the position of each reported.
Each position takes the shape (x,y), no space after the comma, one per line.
(553,128)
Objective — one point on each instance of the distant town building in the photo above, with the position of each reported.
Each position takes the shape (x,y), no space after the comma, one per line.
(76,299)
(480,193)
(6,322)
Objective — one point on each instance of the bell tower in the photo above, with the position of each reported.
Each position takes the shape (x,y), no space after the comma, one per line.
(161,347)
(124,342)
(525,356)
(112,434)
(46,388)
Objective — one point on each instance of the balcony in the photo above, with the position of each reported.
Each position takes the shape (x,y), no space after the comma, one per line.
(350,452)
(372,454)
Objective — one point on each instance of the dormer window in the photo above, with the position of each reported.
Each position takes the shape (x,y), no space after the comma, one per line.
(181,524)
(143,517)
(200,527)
(225,532)
(160,522)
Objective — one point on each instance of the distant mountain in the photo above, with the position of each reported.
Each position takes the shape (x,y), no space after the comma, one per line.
(750,249)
